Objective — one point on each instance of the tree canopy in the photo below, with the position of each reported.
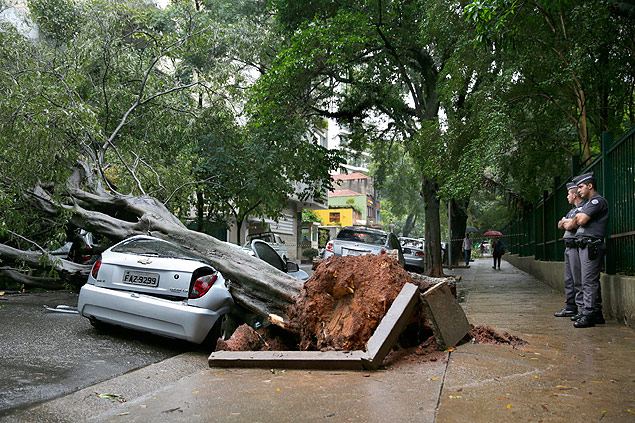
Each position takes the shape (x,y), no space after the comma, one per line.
(212,103)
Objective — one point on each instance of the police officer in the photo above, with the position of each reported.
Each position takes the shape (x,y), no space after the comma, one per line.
(591,224)
(572,278)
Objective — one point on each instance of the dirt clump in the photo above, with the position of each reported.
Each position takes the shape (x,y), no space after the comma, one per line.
(427,351)
(489,335)
(245,338)
(344,300)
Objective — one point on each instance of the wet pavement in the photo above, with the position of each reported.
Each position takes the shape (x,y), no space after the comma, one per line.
(563,374)
(47,354)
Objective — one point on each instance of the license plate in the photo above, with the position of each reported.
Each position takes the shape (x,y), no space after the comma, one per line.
(347,252)
(140,278)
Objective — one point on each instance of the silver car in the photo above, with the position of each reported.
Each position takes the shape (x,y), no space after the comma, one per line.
(152,285)
(360,240)
(413,253)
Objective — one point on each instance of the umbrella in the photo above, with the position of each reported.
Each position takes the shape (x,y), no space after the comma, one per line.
(471,229)
(493,233)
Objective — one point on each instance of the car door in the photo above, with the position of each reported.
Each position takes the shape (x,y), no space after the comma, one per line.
(265,252)
(393,244)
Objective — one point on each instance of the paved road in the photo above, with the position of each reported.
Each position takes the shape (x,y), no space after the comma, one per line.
(46,354)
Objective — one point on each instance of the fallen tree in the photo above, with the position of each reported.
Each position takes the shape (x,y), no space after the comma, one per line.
(255,285)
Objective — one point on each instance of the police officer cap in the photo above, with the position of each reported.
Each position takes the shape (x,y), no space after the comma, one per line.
(582,178)
(571,185)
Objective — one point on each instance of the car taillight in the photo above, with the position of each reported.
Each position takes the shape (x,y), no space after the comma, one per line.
(383,252)
(84,259)
(95,270)
(419,253)
(329,247)
(202,285)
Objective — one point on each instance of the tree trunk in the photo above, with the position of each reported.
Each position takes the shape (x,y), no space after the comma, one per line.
(433,227)
(239,226)
(411,221)
(458,225)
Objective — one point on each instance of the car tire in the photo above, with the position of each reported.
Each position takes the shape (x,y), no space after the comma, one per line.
(98,324)
(214,333)
(229,325)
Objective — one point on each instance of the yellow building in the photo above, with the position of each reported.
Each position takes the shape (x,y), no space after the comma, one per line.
(342,217)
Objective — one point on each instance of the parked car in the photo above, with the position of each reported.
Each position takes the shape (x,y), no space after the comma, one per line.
(78,249)
(273,240)
(265,251)
(413,253)
(360,240)
(152,285)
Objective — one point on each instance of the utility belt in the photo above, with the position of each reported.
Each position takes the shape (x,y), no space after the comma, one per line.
(584,242)
(592,244)
(570,242)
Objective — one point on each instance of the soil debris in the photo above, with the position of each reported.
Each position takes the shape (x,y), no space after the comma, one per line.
(489,335)
(245,338)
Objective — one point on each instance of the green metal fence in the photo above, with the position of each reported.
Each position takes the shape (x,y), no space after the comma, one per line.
(536,232)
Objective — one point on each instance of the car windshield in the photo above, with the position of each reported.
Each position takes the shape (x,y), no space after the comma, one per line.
(154,248)
(371,238)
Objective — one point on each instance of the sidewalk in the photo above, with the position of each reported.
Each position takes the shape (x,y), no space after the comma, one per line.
(563,374)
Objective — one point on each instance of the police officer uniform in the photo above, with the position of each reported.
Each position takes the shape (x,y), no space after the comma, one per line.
(574,297)
(591,250)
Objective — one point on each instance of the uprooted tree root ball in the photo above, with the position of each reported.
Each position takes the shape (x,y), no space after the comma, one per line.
(341,305)
(345,299)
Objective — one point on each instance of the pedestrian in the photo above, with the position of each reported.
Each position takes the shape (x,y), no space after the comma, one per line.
(467,248)
(574,297)
(498,249)
(482,248)
(591,224)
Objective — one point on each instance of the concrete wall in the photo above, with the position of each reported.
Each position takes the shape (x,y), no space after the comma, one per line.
(618,292)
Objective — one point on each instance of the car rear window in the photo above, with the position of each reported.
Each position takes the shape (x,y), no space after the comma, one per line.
(411,243)
(371,238)
(265,237)
(154,248)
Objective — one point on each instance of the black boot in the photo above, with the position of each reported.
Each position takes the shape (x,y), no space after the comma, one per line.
(585,321)
(598,318)
(577,316)
(565,312)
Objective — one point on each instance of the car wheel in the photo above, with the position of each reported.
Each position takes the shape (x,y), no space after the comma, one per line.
(98,324)
(228,327)
(214,333)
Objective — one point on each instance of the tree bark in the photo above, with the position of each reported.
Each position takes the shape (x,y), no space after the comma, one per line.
(459,223)
(411,221)
(70,272)
(432,247)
